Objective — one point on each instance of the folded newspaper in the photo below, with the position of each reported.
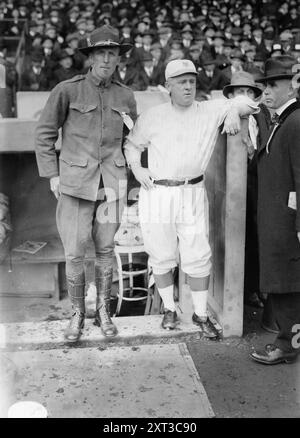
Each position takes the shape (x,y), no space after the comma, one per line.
(30,247)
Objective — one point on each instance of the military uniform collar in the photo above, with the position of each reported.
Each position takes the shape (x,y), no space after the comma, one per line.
(98,82)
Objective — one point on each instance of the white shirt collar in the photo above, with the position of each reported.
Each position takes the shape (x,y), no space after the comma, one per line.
(283,107)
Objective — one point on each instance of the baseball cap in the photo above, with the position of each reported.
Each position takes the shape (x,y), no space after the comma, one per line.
(179,67)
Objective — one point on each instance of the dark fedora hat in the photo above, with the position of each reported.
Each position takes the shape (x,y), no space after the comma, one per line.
(105,36)
(207,59)
(280,67)
(242,79)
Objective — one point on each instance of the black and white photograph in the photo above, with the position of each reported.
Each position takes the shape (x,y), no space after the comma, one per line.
(149,225)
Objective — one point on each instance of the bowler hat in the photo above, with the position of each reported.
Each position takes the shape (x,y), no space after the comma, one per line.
(208,59)
(105,36)
(146,56)
(280,67)
(37,56)
(241,79)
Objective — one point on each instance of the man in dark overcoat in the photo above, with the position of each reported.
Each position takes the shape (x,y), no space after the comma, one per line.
(279,210)
(94,112)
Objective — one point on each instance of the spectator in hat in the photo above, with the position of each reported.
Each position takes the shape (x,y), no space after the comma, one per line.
(35,76)
(81,26)
(195,56)
(50,56)
(258,41)
(258,61)
(147,38)
(3,23)
(286,39)
(165,38)
(72,47)
(209,32)
(249,59)
(9,82)
(223,60)
(66,69)
(210,77)
(90,25)
(51,32)
(236,35)
(150,76)
(242,83)
(70,20)
(278,165)
(176,50)
(247,29)
(294,18)
(126,73)
(268,43)
(56,20)
(94,112)
(245,45)
(156,52)
(218,43)
(125,29)
(186,35)
(283,16)
(237,61)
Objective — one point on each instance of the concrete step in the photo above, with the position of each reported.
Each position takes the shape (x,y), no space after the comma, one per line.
(148,381)
(132,330)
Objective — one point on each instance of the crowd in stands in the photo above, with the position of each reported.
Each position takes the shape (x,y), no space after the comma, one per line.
(220,37)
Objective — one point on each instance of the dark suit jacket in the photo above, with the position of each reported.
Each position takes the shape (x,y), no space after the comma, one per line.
(278,224)
(62,74)
(30,80)
(157,77)
(131,79)
(216,82)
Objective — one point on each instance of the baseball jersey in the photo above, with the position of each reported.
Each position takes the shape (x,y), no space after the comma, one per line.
(180,142)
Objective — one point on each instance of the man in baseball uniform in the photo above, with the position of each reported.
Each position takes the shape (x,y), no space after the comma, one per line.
(180,136)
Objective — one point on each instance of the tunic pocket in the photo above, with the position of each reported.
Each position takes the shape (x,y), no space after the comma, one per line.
(82,107)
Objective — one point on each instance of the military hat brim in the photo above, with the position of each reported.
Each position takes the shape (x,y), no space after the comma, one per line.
(123,47)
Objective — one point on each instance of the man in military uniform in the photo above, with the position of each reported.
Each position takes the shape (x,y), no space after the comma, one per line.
(94,112)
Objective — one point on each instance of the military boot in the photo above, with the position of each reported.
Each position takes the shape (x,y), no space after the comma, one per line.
(76,324)
(103,279)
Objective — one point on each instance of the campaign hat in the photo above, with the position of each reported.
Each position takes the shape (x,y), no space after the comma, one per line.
(105,36)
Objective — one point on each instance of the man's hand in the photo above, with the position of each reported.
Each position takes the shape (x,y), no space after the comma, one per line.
(143,176)
(232,122)
(54,186)
(298,235)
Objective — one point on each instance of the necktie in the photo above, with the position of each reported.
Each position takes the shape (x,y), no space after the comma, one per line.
(274,119)
(273,126)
